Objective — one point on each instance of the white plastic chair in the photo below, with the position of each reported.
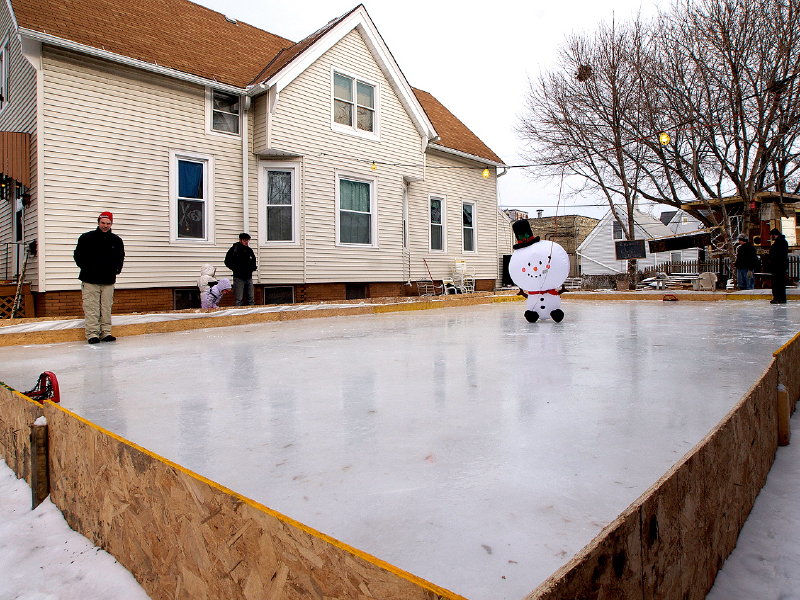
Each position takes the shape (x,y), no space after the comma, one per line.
(705,282)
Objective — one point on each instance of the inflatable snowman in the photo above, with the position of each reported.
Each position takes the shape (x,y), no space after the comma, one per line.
(539,268)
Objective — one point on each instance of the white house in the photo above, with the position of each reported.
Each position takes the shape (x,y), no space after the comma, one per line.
(191,127)
(597,254)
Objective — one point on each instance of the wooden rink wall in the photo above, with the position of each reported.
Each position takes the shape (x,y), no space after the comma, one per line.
(184,536)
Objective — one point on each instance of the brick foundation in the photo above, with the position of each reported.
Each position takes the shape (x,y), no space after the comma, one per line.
(68,303)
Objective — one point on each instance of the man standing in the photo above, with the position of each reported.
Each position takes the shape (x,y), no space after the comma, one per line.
(241,260)
(779,261)
(100,255)
(746,263)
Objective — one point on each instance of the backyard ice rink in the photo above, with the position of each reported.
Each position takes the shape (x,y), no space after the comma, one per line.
(464,445)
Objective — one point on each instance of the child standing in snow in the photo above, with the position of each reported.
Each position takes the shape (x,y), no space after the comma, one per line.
(211,298)
(206,279)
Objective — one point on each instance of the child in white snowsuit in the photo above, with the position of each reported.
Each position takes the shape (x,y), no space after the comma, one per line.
(206,279)
(211,298)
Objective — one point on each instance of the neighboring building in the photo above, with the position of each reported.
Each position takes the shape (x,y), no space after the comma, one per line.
(568,231)
(191,127)
(679,223)
(597,253)
(515,214)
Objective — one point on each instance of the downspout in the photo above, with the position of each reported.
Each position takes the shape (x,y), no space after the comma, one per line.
(245,102)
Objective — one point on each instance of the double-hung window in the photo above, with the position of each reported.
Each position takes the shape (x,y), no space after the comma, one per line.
(354,104)
(468,226)
(3,76)
(225,113)
(437,223)
(618,233)
(356,212)
(191,205)
(279,204)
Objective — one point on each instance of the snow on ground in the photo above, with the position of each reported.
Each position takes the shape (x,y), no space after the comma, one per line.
(41,558)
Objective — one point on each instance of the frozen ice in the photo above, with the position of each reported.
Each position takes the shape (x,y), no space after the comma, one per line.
(464,445)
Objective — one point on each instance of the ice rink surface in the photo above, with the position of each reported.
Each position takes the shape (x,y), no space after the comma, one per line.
(464,445)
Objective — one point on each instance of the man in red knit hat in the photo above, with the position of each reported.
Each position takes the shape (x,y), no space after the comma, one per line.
(100,255)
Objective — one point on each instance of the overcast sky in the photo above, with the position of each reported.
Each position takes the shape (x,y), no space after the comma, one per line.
(476,58)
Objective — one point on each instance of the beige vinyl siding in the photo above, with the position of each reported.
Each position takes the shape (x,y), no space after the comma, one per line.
(18,115)
(457,181)
(301,123)
(108,133)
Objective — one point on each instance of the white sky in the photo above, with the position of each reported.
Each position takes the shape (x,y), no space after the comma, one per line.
(476,58)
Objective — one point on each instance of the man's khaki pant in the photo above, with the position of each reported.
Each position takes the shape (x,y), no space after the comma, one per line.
(97,302)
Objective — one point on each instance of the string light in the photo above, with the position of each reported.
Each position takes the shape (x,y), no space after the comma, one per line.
(664,139)
(374,166)
(486,173)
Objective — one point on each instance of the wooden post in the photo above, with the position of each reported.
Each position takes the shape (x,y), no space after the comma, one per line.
(784,412)
(40,480)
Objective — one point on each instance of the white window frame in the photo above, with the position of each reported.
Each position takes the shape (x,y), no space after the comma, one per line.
(373,204)
(263,168)
(4,74)
(474,228)
(443,224)
(405,216)
(353,129)
(210,114)
(208,192)
(614,225)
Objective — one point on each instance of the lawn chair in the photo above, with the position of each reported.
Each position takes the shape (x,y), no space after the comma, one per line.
(427,287)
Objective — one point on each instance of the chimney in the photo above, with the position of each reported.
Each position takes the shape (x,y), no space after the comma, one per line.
(539,212)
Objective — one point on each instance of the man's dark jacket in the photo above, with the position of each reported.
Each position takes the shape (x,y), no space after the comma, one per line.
(779,255)
(746,257)
(241,260)
(99,256)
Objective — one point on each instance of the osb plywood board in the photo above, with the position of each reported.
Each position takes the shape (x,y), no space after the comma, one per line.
(788,357)
(17,414)
(184,537)
(688,522)
(609,568)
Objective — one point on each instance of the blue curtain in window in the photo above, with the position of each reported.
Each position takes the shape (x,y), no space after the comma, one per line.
(190,179)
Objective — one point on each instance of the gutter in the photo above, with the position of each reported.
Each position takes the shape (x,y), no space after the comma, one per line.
(474,157)
(52,40)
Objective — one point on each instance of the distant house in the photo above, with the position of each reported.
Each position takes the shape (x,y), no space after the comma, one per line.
(191,127)
(597,255)
(680,222)
(568,231)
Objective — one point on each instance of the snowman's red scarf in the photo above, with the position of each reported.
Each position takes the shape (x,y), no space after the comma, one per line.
(553,292)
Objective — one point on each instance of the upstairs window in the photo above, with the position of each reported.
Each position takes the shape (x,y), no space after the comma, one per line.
(224,112)
(354,104)
(618,234)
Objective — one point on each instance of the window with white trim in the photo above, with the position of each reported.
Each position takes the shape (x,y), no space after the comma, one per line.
(356,212)
(279,204)
(617,233)
(225,112)
(436,223)
(354,103)
(405,216)
(3,76)
(468,226)
(191,197)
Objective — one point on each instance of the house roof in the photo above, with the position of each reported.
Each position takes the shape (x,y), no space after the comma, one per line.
(645,224)
(188,38)
(452,132)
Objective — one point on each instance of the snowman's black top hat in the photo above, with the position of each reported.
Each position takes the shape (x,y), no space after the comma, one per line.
(523,233)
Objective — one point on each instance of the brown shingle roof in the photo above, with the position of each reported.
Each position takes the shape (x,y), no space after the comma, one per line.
(172,33)
(190,38)
(452,132)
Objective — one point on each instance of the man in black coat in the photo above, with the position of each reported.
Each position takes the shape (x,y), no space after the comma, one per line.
(746,263)
(242,261)
(99,254)
(779,262)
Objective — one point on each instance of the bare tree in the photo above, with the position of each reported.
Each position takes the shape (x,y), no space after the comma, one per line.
(720,76)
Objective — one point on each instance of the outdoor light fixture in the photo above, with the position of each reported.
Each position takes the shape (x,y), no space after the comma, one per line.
(664,139)
(486,173)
